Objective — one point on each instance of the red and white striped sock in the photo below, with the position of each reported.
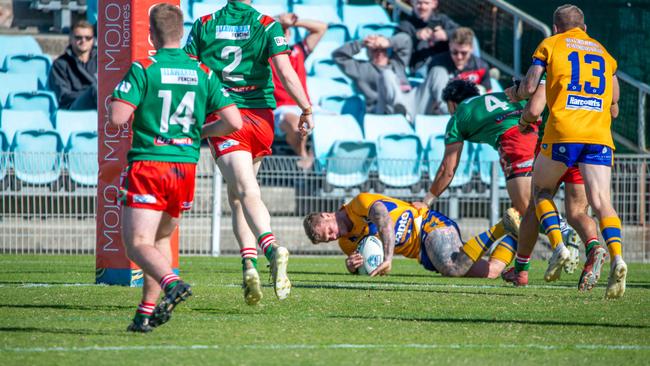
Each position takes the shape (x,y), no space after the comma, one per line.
(169,281)
(265,241)
(248,254)
(145,310)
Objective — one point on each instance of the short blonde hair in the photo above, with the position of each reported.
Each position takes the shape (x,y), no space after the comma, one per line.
(462,36)
(568,16)
(166,22)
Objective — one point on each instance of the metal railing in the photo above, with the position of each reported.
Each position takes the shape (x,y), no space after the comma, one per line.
(60,218)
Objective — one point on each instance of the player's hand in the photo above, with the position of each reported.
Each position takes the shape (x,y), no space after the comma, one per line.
(383,269)
(525,129)
(382,42)
(287,19)
(424,34)
(419,205)
(438,34)
(353,262)
(306,123)
(511,92)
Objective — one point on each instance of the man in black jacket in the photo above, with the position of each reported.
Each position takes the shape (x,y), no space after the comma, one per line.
(73,77)
(429,31)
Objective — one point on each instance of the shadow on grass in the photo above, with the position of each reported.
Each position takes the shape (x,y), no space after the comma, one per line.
(369,286)
(102,332)
(494,321)
(67,307)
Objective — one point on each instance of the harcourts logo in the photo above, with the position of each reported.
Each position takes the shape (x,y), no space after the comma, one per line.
(586,103)
(403,228)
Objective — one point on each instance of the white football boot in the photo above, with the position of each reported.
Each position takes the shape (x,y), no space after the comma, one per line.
(560,257)
(616,282)
(281,283)
(573,243)
(252,287)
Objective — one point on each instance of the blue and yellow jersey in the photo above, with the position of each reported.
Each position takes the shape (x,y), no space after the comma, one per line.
(410,223)
(579,74)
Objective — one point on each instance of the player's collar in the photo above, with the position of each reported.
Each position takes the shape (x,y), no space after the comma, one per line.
(237,5)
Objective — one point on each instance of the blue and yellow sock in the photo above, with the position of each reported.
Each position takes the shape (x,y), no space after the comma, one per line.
(549,219)
(506,249)
(476,246)
(610,227)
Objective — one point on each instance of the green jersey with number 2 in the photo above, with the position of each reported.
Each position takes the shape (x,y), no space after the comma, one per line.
(172,94)
(237,42)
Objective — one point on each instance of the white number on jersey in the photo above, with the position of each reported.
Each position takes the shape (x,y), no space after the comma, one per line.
(226,73)
(492,103)
(184,114)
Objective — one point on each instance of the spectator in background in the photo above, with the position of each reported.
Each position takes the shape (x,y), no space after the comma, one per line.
(73,77)
(384,54)
(429,31)
(458,63)
(287,113)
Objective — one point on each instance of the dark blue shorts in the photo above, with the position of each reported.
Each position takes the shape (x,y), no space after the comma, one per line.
(571,154)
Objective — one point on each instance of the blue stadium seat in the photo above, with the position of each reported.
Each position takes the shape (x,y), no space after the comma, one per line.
(349,162)
(427,126)
(324,87)
(270,9)
(18,44)
(38,65)
(375,125)
(337,33)
(322,51)
(323,13)
(37,156)
(81,152)
(16,82)
(201,9)
(332,3)
(386,30)
(328,69)
(435,151)
(496,86)
(485,155)
(12,121)
(399,160)
(354,15)
(4,158)
(328,129)
(37,100)
(68,122)
(353,105)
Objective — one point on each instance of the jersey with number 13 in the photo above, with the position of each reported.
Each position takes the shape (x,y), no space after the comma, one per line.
(579,74)
(237,42)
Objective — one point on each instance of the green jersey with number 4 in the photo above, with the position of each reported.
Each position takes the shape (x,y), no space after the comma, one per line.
(483,119)
(172,94)
(236,42)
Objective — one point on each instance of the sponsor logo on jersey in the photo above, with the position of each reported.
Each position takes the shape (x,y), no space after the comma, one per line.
(123,86)
(225,93)
(503,117)
(585,103)
(144,198)
(242,89)
(227,144)
(280,41)
(526,164)
(161,141)
(233,32)
(186,205)
(179,76)
(583,45)
(403,228)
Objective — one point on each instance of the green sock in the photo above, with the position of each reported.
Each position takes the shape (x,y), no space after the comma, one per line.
(253,260)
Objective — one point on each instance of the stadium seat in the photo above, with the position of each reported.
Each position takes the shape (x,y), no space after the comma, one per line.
(323,13)
(364,30)
(4,159)
(495,86)
(348,163)
(427,126)
(485,155)
(353,105)
(375,125)
(37,156)
(336,33)
(208,7)
(328,129)
(434,153)
(38,65)
(322,51)
(15,83)
(81,152)
(323,87)
(328,69)
(399,160)
(68,122)
(270,9)
(18,44)
(37,100)
(354,15)
(12,121)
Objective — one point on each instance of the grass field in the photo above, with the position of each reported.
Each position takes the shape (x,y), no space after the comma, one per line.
(51,313)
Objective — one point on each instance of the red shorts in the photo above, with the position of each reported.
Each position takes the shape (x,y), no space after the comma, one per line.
(571,176)
(517,152)
(255,136)
(158,185)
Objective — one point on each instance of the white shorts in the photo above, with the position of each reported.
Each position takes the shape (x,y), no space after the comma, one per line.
(279,113)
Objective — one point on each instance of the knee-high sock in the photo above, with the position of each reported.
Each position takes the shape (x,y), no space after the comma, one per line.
(476,246)
(610,227)
(549,219)
(505,250)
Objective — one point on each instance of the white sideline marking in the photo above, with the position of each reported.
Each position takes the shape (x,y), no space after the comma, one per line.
(615,347)
(37,284)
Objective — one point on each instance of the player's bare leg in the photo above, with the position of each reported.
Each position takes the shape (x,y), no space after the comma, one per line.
(528,233)
(239,171)
(444,248)
(597,184)
(298,142)
(519,191)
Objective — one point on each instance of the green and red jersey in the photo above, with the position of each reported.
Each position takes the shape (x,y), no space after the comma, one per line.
(172,94)
(483,119)
(237,42)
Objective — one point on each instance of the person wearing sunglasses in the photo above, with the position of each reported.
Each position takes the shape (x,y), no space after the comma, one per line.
(73,76)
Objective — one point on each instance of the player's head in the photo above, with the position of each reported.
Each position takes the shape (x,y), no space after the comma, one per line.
(461,46)
(424,8)
(166,25)
(321,227)
(568,17)
(457,91)
(82,36)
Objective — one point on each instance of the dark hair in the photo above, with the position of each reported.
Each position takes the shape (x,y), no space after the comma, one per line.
(459,90)
(166,22)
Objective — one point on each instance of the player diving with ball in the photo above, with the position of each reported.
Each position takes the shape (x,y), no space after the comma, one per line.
(414,231)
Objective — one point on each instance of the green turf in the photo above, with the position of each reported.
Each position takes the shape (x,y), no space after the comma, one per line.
(331,318)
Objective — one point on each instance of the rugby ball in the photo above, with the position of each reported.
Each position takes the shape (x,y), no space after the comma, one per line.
(372,251)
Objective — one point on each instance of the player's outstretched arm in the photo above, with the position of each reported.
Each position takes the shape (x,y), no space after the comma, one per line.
(528,85)
(119,112)
(292,85)
(616,94)
(446,171)
(222,122)
(533,110)
(379,215)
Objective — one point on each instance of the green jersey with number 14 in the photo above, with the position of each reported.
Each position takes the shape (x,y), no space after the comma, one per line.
(483,119)
(236,42)
(172,94)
